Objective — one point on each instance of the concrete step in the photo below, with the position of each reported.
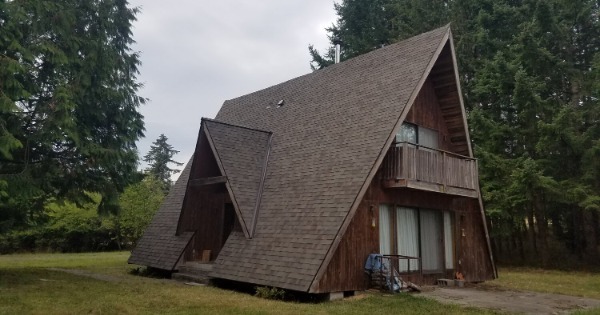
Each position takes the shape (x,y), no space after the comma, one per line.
(196,268)
(193,272)
(190,277)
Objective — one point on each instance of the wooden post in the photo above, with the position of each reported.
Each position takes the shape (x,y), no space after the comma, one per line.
(444,179)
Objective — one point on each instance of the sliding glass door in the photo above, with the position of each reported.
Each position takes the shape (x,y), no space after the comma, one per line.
(407,237)
(423,233)
(431,240)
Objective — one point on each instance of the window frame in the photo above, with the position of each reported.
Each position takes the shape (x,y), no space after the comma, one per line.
(417,137)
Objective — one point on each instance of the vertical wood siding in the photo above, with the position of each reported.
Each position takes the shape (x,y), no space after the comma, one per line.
(203,207)
(345,271)
(426,112)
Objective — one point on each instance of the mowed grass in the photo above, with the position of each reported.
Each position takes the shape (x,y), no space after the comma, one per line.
(584,284)
(28,287)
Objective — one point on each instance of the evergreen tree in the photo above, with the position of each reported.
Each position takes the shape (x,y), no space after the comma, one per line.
(364,25)
(69,115)
(159,157)
(529,72)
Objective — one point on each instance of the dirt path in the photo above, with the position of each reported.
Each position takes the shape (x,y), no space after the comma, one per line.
(89,274)
(512,301)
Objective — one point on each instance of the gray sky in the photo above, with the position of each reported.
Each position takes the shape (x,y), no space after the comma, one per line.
(196,54)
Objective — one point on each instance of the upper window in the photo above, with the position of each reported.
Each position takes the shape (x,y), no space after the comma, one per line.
(418,135)
(407,133)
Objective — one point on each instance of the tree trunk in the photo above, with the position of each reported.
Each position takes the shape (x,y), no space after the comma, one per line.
(531,234)
(589,233)
(542,228)
(520,238)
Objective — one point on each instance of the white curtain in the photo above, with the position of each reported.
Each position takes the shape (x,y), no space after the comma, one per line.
(431,240)
(385,246)
(448,240)
(428,137)
(408,237)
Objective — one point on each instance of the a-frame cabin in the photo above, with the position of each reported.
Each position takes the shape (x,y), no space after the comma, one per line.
(295,185)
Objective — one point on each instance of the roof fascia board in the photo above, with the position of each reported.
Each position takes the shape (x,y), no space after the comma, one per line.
(261,187)
(187,185)
(333,248)
(227,184)
(460,96)
(485,228)
(183,251)
(466,126)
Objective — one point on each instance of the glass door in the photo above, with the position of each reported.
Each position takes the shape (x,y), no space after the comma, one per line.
(431,240)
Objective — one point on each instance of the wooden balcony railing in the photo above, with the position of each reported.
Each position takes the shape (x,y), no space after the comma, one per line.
(419,167)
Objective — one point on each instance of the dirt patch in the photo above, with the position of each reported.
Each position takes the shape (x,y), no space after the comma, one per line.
(89,274)
(512,301)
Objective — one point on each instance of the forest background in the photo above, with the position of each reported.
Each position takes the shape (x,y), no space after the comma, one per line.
(529,70)
(530,74)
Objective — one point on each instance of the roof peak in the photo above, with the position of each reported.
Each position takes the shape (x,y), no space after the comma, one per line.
(439,32)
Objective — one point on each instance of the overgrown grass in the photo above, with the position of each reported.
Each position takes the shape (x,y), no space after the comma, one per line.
(53,260)
(27,287)
(574,283)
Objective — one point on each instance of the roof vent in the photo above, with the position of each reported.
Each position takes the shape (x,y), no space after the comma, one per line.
(280,103)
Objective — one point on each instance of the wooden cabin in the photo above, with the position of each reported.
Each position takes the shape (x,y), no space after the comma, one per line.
(295,185)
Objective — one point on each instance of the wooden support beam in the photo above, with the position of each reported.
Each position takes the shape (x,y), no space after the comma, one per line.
(208,181)
(442,68)
(443,84)
(419,185)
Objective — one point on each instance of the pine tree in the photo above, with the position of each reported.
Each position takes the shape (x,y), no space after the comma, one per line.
(69,115)
(159,157)
(529,72)
(364,25)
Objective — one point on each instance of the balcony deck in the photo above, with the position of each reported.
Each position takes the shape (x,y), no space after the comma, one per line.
(418,167)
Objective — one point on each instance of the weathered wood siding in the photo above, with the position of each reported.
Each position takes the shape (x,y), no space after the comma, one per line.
(426,112)
(471,248)
(412,198)
(345,271)
(471,253)
(203,207)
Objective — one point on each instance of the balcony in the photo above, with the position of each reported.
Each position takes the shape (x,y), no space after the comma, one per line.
(418,167)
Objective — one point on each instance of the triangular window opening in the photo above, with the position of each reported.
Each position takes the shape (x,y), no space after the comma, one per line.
(208,210)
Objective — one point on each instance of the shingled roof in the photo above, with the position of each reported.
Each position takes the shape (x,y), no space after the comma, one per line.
(329,131)
(159,247)
(242,153)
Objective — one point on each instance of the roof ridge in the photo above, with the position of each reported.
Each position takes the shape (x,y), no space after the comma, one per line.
(345,62)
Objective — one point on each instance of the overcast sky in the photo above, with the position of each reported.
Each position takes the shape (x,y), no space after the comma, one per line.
(196,54)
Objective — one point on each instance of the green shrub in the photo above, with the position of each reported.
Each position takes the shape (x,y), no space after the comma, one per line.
(270,293)
(139,203)
(70,227)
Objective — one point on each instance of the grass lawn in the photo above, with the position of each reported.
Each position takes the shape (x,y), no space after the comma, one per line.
(575,283)
(27,287)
